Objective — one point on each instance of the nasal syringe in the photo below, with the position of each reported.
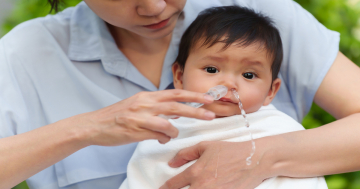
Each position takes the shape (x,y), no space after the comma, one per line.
(216,92)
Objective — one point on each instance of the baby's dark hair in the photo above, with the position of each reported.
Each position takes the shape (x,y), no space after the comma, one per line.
(232,24)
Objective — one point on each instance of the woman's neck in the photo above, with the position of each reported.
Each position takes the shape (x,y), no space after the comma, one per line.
(128,40)
(147,55)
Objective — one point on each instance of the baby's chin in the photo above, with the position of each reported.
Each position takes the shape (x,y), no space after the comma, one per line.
(222,110)
(226,109)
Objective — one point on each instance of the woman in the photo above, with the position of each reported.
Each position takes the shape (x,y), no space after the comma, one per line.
(71,84)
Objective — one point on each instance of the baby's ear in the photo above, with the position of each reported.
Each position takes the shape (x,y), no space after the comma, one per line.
(272,92)
(177,76)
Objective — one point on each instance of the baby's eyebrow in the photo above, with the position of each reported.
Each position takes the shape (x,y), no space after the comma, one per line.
(215,58)
(225,58)
(254,63)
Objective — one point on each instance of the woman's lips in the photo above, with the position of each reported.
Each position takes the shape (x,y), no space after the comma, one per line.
(158,25)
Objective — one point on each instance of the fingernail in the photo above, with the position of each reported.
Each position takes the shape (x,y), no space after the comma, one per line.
(208,98)
(161,142)
(209,115)
(171,162)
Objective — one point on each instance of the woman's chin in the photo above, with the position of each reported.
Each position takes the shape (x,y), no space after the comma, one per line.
(158,33)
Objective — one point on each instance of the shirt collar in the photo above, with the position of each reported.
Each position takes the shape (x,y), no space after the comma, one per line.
(90,40)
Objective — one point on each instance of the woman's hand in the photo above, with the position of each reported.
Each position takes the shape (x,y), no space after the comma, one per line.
(136,118)
(219,165)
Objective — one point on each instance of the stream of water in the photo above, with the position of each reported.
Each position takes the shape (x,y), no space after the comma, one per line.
(247,124)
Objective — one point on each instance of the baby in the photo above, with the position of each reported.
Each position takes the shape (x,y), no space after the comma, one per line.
(242,50)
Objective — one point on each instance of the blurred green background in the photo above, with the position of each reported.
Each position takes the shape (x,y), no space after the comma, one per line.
(339,15)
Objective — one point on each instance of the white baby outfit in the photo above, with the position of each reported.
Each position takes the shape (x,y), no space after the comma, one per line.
(148,168)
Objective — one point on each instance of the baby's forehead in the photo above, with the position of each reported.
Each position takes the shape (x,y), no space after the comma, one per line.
(208,42)
(215,50)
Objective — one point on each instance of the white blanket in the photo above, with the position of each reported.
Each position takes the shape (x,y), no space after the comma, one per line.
(148,168)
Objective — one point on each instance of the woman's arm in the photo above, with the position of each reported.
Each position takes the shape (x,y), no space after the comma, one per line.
(26,154)
(339,93)
(130,120)
(332,148)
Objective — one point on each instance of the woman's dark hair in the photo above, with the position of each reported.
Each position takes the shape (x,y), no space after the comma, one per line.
(54,5)
(232,24)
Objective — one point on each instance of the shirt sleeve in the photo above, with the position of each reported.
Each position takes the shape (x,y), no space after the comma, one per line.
(13,111)
(309,51)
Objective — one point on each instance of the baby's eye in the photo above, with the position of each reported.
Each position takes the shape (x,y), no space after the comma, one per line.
(211,70)
(249,75)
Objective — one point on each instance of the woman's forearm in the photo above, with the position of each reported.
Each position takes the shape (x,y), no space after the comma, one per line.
(330,149)
(26,154)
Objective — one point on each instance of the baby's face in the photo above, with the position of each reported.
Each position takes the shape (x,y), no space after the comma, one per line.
(245,69)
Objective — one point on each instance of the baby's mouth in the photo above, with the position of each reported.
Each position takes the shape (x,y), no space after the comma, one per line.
(225,99)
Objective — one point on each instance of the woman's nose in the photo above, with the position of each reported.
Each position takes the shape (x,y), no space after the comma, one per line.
(151,7)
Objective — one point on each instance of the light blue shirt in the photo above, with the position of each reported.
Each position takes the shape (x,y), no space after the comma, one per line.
(59,66)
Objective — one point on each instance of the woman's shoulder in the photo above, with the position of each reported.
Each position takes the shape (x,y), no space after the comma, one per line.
(32,33)
(35,43)
(43,28)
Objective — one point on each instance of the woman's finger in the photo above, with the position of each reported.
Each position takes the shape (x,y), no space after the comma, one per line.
(182,96)
(137,128)
(147,135)
(178,109)
(160,125)
(178,181)
(188,154)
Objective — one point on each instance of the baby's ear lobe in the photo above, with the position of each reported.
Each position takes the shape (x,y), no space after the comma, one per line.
(272,91)
(177,76)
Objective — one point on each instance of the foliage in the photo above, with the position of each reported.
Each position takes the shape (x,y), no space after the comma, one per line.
(338,15)
(27,9)
(22,185)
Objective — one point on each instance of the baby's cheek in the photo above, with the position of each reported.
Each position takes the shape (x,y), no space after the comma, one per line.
(252,104)
(194,87)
